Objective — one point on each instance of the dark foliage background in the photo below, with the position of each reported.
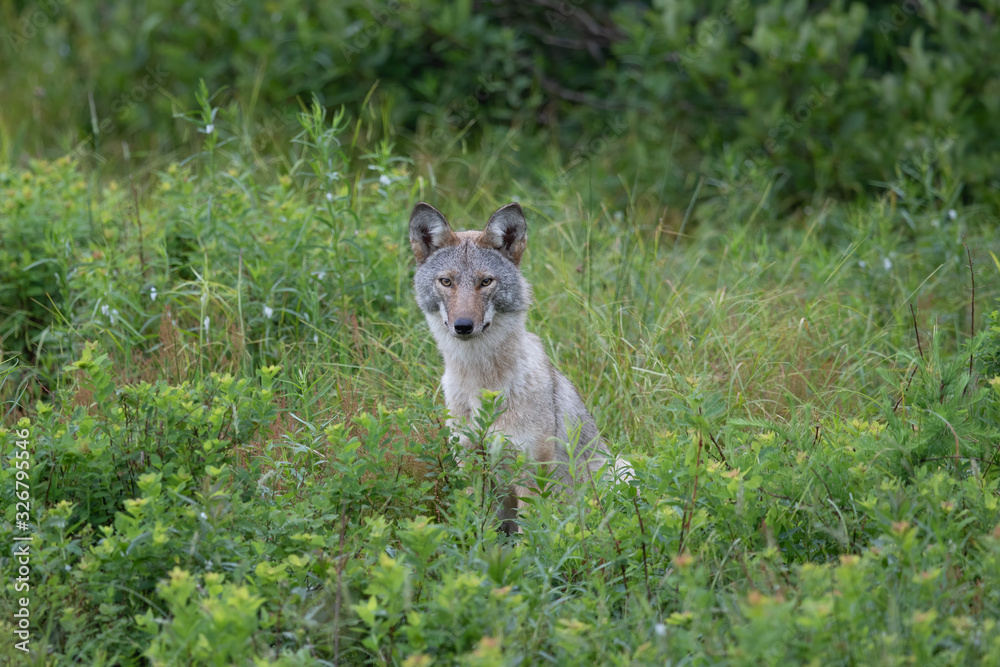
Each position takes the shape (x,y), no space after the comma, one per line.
(763,248)
(828,97)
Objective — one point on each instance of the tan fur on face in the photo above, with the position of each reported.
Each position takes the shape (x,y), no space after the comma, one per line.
(542,414)
(468,236)
(463,302)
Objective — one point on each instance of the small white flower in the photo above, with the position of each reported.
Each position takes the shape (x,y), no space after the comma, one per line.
(208,563)
(268,312)
(208,321)
(68,568)
(315,338)
(210,128)
(105,309)
(152,294)
(203,516)
(384,180)
(660,629)
(329,196)
(321,275)
(863,264)
(886,263)
(952,214)
(114,314)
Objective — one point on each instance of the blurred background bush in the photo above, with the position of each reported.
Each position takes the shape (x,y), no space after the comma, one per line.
(763,248)
(822,98)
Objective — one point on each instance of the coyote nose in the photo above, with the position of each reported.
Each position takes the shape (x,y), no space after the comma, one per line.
(463,325)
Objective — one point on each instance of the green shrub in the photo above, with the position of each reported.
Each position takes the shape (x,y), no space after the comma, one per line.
(989,355)
(822,98)
(817,474)
(119,434)
(42,219)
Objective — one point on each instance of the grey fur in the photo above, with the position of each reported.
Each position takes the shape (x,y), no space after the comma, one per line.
(543,413)
(463,263)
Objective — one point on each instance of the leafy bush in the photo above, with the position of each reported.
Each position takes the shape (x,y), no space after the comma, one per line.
(817,469)
(824,98)
(856,532)
(42,219)
(990,354)
(118,434)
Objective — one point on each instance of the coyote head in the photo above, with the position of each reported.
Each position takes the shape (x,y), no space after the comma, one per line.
(469,278)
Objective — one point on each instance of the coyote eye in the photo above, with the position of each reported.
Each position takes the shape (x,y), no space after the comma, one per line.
(486,281)
(446,282)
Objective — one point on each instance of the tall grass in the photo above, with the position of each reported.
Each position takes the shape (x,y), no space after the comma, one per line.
(231,336)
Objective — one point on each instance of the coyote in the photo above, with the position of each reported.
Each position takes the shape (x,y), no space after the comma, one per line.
(476,300)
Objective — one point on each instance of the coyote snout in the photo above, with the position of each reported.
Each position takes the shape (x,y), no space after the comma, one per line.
(475,300)
(466,304)
(465,327)
(469,278)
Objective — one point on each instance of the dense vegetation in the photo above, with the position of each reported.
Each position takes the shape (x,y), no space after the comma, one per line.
(826,97)
(236,450)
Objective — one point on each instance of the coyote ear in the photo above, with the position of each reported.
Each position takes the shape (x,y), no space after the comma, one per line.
(507,231)
(429,231)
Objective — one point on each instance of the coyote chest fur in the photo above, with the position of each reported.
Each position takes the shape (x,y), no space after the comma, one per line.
(475,299)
